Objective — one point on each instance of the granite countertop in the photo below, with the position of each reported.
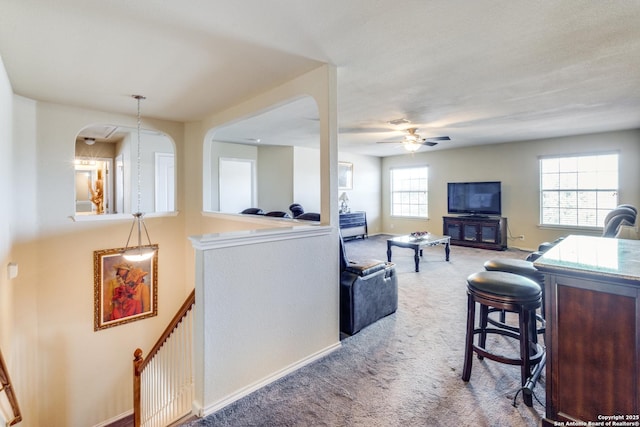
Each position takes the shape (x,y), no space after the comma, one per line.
(600,257)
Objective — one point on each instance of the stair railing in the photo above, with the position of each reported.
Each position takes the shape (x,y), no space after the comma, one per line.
(163,381)
(5,383)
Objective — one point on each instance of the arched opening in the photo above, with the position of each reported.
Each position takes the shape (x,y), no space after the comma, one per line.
(106,173)
(267,161)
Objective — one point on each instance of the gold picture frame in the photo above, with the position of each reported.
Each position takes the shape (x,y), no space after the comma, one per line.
(345,176)
(124,291)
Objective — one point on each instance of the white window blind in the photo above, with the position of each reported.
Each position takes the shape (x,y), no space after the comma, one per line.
(409,192)
(578,190)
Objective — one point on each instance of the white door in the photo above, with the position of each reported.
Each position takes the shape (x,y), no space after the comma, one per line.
(83,195)
(165,182)
(119,185)
(236,185)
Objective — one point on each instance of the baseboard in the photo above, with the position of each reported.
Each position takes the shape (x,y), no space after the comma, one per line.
(123,420)
(522,249)
(215,407)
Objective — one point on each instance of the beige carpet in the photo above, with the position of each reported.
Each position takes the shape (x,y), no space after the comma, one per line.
(403,370)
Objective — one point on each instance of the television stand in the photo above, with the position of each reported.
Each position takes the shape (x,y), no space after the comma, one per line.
(483,232)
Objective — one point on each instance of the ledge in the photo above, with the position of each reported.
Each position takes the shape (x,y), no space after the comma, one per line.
(118,217)
(251,237)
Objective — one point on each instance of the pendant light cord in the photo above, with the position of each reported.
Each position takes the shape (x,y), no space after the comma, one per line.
(138,253)
(139,97)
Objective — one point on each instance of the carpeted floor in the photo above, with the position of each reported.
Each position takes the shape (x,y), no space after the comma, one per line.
(404,370)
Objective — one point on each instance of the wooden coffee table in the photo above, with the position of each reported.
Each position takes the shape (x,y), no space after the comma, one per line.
(417,244)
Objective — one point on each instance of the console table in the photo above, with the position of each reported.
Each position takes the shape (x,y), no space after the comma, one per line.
(592,301)
(353,224)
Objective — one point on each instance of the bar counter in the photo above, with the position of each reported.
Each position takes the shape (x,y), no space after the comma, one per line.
(592,304)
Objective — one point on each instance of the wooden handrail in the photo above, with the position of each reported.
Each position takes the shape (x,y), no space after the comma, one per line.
(5,381)
(140,362)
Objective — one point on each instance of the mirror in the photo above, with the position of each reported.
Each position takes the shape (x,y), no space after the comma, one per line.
(106,172)
(267,161)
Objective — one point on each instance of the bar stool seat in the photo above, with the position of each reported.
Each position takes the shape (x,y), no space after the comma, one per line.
(516,266)
(512,293)
(522,268)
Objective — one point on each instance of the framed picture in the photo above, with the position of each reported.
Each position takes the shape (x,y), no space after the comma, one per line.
(345,176)
(124,291)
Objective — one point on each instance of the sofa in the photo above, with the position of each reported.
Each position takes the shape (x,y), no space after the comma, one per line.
(368,292)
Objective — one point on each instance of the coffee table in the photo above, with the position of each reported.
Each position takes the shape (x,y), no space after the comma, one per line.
(417,244)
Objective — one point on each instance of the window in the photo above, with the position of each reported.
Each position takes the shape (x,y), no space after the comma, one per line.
(578,190)
(409,191)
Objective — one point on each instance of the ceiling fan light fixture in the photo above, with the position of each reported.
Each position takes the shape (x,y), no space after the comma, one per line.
(411,146)
(412,141)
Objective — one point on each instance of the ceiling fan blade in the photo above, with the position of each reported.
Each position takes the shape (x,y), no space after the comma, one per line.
(388,142)
(365,130)
(439,138)
(429,143)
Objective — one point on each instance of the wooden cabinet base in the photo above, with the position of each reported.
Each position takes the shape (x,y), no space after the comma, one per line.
(476,232)
(592,296)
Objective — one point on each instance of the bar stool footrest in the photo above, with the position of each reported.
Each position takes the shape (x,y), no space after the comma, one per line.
(536,351)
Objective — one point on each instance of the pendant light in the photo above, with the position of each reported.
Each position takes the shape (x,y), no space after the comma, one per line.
(140,252)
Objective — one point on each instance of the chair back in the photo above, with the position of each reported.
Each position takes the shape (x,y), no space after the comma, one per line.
(253,211)
(620,215)
(309,216)
(344,259)
(278,214)
(296,209)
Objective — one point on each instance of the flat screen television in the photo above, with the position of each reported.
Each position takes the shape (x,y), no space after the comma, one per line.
(474,198)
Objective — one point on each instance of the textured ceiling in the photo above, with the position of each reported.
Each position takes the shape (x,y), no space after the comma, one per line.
(479,71)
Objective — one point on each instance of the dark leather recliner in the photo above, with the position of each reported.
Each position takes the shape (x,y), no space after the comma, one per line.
(278,214)
(309,216)
(253,211)
(296,209)
(621,215)
(368,292)
(542,248)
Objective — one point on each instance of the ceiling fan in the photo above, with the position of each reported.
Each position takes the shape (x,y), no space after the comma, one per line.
(413,141)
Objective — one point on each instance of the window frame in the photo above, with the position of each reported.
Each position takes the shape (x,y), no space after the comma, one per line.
(392,193)
(599,209)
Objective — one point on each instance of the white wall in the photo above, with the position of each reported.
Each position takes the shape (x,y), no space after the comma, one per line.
(24,301)
(57,351)
(367,190)
(6,193)
(516,166)
(7,237)
(306,178)
(220,150)
(275,177)
(150,144)
(254,325)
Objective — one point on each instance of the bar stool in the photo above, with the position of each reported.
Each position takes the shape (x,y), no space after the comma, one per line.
(512,293)
(521,268)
